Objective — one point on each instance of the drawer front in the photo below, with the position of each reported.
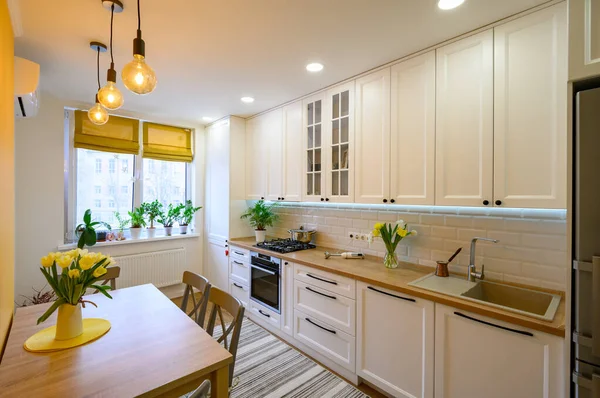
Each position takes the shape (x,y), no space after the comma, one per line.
(239,291)
(239,270)
(326,280)
(239,253)
(334,309)
(263,315)
(334,344)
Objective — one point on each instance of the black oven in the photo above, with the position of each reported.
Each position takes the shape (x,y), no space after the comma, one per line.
(265,281)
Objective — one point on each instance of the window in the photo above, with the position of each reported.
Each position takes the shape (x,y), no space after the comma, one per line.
(97,203)
(124,165)
(111,165)
(111,190)
(98,166)
(124,189)
(164,180)
(111,203)
(97,189)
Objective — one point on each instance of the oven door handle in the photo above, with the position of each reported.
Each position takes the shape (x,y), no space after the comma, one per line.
(264,269)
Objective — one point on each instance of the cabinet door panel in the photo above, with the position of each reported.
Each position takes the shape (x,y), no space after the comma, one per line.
(464,121)
(530,110)
(273,133)
(372,171)
(256,160)
(239,291)
(313,122)
(584,39)
(287,299)
(395,340)
(292,154)
(472,357)
(413,131)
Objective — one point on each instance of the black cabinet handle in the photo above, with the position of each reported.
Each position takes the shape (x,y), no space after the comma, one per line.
(238,286)
(322,294)
(391,295)
(326,199)
(393,200)
(524,333)
(322,280)
(282,198)
(322,199)
(262,198)
(238,253)
(498,202)
(265,314)
(286,263)
(319,326)
(486,202)
(238,263)
(385,201)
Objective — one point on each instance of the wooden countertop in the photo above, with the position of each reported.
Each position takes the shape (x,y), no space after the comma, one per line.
(371,270)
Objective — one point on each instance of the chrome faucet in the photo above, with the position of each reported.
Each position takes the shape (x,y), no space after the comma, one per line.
(472,273)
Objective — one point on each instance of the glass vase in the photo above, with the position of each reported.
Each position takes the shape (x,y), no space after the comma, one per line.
(390,260)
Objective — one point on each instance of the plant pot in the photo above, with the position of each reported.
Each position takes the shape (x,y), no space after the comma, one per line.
(135,233)
(261,236)
(151,232)
(120,235)
(168,231)
(69,323)
(183,229)
(100,236)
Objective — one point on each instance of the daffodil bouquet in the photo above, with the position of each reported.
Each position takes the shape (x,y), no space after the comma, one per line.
(391,235)
(80,270)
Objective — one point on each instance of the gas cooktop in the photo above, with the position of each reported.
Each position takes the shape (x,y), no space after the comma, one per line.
(284,245)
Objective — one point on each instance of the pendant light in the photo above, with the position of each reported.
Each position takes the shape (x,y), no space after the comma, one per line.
(137,76)
(110,96)
(97,114)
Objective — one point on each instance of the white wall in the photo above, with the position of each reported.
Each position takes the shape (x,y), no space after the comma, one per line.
(40,206)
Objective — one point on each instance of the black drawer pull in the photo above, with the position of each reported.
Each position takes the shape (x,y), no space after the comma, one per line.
(391,295)
(265,314)
(238,263)
(238,286)
(524,333)
(322,294)
(239,253)
(319,326)
(322,280)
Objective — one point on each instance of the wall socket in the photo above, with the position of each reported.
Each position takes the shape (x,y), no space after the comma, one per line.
(358,236)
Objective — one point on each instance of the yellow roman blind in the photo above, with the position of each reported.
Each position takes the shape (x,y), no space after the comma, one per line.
(119,134)
(167,142)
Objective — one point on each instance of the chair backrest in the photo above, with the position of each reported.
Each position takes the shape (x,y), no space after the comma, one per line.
(220,301)
(200,283)
(112,273)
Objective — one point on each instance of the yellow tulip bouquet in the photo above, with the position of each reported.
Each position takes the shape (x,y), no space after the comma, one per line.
(391,235)
(80,270)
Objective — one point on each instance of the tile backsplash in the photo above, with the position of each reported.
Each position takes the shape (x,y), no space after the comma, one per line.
(532,246)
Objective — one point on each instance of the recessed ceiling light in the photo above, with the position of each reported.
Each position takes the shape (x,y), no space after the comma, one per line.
(449,4)
(314,67)
(207,118)
(247,100)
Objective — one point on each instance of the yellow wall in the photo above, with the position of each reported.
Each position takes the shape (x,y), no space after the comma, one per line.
(7,172)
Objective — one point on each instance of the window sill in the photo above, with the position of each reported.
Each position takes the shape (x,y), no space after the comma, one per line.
(129,241)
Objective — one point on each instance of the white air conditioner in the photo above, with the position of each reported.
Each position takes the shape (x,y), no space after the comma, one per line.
(27,77)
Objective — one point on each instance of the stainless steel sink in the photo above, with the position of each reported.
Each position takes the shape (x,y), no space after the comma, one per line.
(528,302)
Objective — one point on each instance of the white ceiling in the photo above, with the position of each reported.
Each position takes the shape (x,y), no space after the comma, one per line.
(208,54)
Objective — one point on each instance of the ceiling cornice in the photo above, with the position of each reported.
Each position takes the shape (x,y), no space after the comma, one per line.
(15,17)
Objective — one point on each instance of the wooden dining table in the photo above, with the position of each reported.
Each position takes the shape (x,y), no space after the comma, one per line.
(152,349)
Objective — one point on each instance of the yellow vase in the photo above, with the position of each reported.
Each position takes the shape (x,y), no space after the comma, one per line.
(69,323)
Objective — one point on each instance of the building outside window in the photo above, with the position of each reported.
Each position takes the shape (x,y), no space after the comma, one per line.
(111,203)
(124,189)
(97,189)
(98,166)
(167,182)
(111,165)
(97,204)
(124,165)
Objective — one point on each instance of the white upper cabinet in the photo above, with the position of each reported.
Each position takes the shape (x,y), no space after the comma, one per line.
(476,356)
(313,181)
(372,137)
(292,152)
(256,159)
(584,39)
(272,125)
(465,121)
(412,176)
(339,155)
(530,110)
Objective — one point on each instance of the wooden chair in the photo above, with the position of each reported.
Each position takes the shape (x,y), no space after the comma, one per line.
(221,300)
(202,391)
(112,273)
(202,284)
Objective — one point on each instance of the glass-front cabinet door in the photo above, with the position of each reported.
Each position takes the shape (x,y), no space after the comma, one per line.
(340,148)
(314,178)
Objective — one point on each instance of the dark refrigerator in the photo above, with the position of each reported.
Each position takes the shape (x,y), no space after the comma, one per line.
(585,325)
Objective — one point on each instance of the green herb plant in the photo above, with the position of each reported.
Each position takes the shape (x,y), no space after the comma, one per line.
(261,215)
(87,230)
(187,213)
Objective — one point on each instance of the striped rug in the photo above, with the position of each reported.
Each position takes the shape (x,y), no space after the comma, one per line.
(267,367)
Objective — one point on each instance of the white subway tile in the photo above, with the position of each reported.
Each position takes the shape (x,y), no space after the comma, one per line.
(494,223)
(459,221)
(410,218)
(444,232)
(422,230)
(419,252)
(468,234)
(549,274)
(505,238)
(426,241)
(432,219)
(386,216)
(361,224)
(549,214)
(502,266)
(552,242)
(522,280)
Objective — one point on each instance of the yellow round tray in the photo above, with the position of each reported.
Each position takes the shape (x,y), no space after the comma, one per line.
(43,341)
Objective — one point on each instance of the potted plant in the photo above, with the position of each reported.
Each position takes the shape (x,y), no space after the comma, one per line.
(122,225)
(260,216)
(87,230)
(168,219)
(137,222)
(152,210)
(187,215)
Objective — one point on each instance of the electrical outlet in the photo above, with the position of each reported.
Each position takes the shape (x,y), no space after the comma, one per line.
(353,235)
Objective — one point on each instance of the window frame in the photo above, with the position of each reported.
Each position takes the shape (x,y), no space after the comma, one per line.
(70,176)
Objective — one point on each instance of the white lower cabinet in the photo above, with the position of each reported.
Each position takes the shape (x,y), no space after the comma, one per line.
(287,298)
(395,341)
(239,270)
(476,356)
(239,291)
(331,342)
(263,315)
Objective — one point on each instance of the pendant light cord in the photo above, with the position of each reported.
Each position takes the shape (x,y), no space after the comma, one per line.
(139,18)
(112,14)
(98,67)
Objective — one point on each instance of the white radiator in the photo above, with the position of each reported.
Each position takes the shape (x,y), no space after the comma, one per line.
(161,268)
